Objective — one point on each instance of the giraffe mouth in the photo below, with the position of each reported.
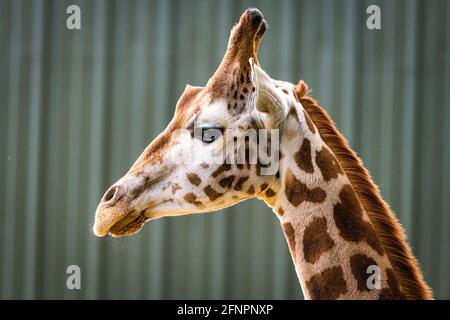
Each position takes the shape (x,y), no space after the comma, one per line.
(129,224)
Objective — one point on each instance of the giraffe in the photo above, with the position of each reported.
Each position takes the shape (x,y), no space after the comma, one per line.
(344,241)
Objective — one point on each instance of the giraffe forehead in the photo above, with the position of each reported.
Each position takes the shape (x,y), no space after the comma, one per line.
(214,113)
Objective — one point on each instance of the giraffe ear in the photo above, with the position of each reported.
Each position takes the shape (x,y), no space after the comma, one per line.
(270,103)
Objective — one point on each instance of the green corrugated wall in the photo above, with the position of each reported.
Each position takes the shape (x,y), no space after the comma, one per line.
(78,107)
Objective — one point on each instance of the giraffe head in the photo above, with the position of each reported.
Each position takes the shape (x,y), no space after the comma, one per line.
(206,158)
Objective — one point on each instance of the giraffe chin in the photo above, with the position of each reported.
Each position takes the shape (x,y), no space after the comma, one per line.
(129,225)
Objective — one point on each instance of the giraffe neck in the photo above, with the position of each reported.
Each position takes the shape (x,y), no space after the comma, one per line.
(333,245)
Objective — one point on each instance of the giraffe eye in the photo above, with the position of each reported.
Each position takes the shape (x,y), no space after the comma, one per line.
(208,134)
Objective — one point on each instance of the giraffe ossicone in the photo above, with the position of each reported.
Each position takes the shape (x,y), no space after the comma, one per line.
(333,239)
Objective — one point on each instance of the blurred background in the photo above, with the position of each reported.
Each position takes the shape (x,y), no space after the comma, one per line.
(78,107)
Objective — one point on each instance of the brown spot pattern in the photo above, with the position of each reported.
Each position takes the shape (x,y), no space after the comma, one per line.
(211,193)
(204,165)
(303,157)
(297,192)
(194,179)
(328,164)
(227,181)
(393,291)
(175,187)
(359,264)
(270,193)
(327,285)
(222,168)
(147,182)
(289,232)
(348,215)
(316,240)
(192,198)
(251,190)
(240,183)
(280,212)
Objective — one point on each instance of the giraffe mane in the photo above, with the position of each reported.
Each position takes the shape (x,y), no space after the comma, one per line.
(384,221)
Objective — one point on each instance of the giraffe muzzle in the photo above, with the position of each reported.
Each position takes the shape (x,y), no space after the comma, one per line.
(254,16)
(119,223)
(125,206)
(116,214)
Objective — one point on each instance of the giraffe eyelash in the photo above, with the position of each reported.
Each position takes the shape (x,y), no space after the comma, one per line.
(207,134)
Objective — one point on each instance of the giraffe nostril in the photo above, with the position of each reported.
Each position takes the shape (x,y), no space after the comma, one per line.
(110,194)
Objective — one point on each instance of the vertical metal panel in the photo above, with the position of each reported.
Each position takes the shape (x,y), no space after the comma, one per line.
(78,107)
(12,145)
(408,115)
(444,261)
(32,170)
